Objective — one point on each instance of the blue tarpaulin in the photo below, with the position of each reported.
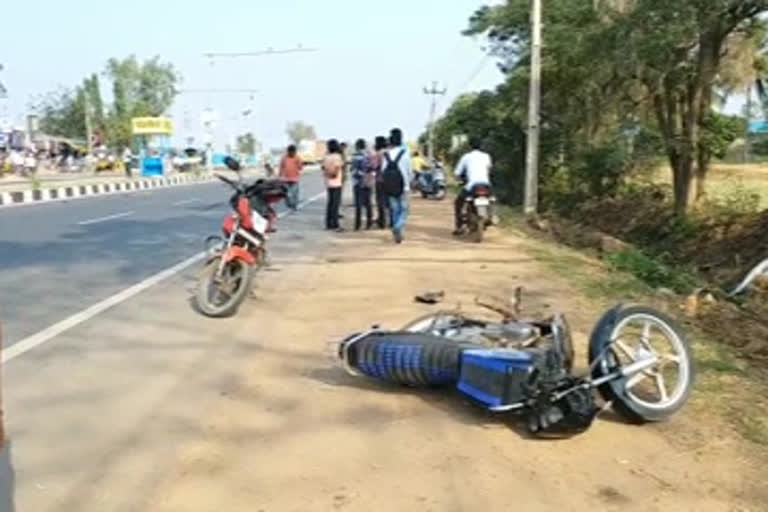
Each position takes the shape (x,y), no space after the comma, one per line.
(758,127)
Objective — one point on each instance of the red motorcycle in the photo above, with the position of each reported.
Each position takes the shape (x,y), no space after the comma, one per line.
(232,261)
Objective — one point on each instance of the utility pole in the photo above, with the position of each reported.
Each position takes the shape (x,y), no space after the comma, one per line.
(88,129)
(434,92)
(531,202)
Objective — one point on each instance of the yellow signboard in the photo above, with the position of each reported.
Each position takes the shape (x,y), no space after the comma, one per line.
(151,125)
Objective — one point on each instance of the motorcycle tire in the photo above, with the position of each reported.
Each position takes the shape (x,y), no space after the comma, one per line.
(478,233)
(231,306)
(604,359)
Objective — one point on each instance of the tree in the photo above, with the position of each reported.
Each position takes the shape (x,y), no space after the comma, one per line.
(62,112)
(675,52)
(139,89)
(298,131)
(246,144)
(608,64)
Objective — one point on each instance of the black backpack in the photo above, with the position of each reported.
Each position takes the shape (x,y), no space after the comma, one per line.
(392,178)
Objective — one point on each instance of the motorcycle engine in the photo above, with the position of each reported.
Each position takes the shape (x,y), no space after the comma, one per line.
(569,415)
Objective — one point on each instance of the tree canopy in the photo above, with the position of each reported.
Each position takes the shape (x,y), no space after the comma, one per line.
(299,130)
(625,79)
(138,89)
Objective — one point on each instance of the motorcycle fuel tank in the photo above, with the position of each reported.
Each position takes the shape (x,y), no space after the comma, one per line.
(495,377)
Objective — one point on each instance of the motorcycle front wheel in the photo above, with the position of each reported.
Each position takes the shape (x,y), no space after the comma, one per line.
(630,334)
(219,297)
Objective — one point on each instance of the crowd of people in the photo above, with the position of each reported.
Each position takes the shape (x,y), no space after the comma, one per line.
(381,179)
(379,175)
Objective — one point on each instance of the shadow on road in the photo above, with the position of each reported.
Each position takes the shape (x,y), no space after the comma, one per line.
(7,480)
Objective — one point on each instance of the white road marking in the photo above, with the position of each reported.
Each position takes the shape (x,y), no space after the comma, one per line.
(51,332)
(185,201)
(103,219)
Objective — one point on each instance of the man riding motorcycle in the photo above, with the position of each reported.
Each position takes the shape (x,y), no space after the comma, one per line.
(474,168)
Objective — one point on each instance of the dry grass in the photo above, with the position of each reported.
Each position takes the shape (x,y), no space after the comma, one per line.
(726,180)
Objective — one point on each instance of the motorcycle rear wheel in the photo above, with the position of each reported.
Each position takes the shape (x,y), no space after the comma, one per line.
(645,396)
(237,273)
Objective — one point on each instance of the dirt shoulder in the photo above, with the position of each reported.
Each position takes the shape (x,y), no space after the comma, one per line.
(296,433)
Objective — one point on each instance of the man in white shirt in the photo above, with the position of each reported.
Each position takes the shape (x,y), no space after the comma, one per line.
(475,169)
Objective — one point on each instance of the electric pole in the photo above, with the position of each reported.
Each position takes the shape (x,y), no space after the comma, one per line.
(434,92)
(531,201)
(88,129)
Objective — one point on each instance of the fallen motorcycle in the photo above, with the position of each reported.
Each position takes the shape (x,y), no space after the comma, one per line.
(640,362)
(231,262)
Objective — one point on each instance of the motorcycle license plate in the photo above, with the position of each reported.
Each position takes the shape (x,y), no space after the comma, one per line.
(259,223)
(482,201)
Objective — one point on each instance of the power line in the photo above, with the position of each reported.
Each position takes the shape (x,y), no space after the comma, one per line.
(233,91)
(476,72)
(268,51)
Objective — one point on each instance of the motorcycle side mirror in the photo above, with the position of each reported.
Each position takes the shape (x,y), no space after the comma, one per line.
(232,164)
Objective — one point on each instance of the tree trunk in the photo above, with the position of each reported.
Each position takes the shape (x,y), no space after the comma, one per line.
(748,115)
(710,45)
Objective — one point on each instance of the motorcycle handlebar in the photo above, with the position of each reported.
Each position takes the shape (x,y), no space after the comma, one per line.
(228,182)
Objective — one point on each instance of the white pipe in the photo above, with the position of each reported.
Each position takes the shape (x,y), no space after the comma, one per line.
(760,269)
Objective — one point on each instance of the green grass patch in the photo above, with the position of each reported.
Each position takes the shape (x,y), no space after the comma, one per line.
(652,271)
(727,387)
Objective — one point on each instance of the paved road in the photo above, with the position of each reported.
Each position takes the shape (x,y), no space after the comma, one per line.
(97,415)
(57,259)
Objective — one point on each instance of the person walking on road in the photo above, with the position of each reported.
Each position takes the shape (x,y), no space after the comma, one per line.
(333,168)
(363,180)
(128,162)
(382,202)
(396,178)
(290,172)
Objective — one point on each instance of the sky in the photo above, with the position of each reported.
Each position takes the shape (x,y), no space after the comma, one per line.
(372,62)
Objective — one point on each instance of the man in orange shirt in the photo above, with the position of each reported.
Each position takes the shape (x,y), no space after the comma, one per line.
(290,172)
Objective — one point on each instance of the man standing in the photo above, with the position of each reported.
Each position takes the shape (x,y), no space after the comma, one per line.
(383,217)
(363,180)
(290,172)
(474,168)
(396,179)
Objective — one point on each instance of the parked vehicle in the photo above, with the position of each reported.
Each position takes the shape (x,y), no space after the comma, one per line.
(640,362)
(104,160)
(232,261)
(431,182)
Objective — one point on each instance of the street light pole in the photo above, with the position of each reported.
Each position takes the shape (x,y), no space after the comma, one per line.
(434,92)
(531,201)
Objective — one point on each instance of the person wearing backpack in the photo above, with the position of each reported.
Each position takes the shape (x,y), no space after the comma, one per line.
(396,179)
(363,179)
